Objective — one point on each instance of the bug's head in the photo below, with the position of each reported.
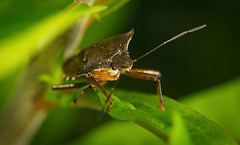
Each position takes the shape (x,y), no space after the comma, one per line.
(121,59)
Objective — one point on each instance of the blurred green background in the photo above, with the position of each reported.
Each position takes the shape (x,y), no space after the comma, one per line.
(196,62)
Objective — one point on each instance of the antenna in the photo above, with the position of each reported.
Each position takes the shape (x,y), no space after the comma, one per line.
(173,38)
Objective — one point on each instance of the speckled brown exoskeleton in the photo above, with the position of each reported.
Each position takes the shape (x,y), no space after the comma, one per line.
(106,61)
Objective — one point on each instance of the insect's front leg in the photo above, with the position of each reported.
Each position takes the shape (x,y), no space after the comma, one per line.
(148,74)
(109,98)
(86,89)
(72,86)
(77,85)
(69,86)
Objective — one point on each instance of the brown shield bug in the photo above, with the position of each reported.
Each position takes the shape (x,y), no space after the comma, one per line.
(106,61)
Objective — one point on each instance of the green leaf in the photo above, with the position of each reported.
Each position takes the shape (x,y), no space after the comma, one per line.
(119,133)
(221,104)
(144,109)
(23,45)
(179,134)
(16,17)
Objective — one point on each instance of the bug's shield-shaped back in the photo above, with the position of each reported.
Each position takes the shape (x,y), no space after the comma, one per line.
(99,55)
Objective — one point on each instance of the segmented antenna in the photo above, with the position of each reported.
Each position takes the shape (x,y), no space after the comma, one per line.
(173,38)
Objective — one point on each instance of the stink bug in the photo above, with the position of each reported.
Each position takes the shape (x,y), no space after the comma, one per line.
(106,61)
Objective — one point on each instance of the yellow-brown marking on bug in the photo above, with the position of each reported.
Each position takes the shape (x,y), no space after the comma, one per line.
(128,69)
(118,52)
(106,74)
(85,56)
(122,71)
(98,70)
(77,52)
(84,59)
(67,78)
(64,75)
(128,42)
(107,70)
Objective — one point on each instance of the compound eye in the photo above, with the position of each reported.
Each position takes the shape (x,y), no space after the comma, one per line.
(114,67)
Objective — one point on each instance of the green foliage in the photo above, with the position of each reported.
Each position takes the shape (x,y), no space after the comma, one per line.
(179,124)
(220,104)
(119,133)
(179,134)
(144,109)
(39,36)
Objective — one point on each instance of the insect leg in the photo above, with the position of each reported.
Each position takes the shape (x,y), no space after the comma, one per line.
(109,98)
(80,94)
(148,74)
(69,86)
(77,85)
(110,93)
(113,87)
(86,89)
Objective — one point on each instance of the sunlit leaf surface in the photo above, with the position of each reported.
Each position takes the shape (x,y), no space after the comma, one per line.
(144,109)
(221,104)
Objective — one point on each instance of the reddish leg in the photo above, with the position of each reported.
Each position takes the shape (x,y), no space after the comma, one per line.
(109,98)
(82,92)
(77,85)
(86,89)
(148,74)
